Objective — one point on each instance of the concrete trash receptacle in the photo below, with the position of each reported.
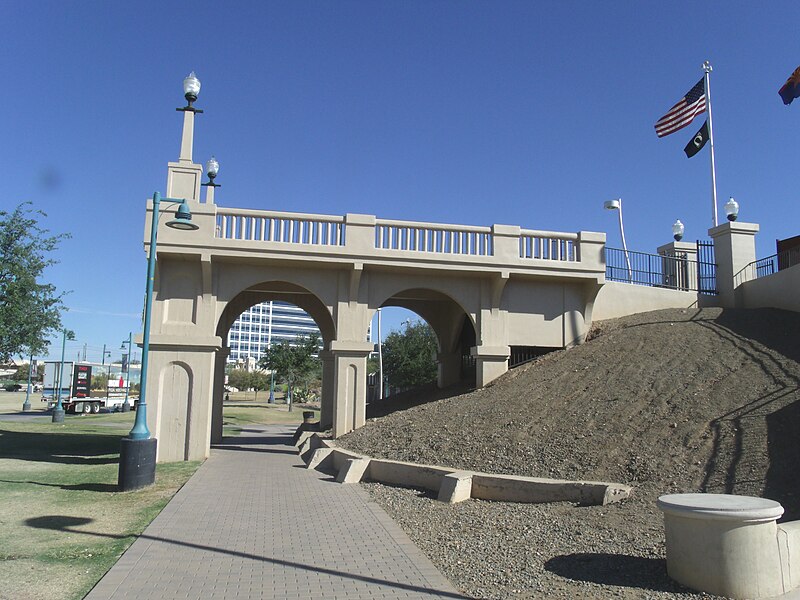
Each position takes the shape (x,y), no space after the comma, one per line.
(723,544)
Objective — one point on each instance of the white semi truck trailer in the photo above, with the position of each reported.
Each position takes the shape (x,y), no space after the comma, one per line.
(75,382)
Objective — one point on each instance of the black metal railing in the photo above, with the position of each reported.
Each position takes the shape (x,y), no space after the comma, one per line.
(681,271)
(769,265)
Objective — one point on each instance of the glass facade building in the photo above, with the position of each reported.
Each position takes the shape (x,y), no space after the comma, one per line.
(264,324)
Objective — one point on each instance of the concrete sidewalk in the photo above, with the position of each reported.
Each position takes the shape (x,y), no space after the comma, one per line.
(254,523)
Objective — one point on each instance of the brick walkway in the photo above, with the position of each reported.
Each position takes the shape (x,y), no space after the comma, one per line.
(254,523)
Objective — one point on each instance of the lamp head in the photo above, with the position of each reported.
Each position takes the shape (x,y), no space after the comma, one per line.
(731,209)
(191,87)
(612,204)
(183,219)
(677,230)
(212,168)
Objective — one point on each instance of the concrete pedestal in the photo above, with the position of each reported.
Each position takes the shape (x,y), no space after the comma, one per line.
(137,464)
(723,544)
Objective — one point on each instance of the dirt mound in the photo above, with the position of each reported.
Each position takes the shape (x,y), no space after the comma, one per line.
(672,400)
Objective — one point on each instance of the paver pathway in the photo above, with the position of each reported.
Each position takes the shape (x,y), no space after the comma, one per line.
(254,523)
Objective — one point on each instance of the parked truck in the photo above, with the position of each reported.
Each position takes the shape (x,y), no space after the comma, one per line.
(75,382)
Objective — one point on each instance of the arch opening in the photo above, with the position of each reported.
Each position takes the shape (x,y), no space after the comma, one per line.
(257,319)
(451,359)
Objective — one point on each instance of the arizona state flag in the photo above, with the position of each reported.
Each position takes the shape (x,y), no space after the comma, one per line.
(791,89)
(698,141)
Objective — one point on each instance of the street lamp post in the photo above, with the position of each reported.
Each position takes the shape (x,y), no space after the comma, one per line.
(26,406)
(617,205)
(126,406)
(58,410)
(137,458)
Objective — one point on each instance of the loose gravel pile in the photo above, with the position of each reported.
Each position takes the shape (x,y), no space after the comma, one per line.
(669,401)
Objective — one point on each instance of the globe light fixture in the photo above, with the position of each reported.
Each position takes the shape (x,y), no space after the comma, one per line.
(731,209)
(677,230)
(212,169)
(191,89)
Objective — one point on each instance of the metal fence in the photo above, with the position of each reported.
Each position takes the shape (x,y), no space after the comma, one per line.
(682,271)
(769,265)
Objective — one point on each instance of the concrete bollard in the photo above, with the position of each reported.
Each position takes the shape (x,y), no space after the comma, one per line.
(723,544)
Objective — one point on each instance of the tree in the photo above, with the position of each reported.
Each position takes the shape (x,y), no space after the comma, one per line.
(409,356)
(30,311)
(293,363)
(258,381)
(240,379)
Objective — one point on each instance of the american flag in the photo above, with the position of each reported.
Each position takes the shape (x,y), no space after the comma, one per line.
(680,115)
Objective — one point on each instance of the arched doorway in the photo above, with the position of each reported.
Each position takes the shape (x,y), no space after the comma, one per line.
(272,297)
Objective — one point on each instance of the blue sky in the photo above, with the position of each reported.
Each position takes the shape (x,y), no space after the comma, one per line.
(527,113)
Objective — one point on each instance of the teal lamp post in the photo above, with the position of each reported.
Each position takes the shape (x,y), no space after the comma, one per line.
(126,406)
(26,406)
(271,388)
(58,410)
(137,458)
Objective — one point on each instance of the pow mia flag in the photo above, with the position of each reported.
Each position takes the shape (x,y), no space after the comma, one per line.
(697,142)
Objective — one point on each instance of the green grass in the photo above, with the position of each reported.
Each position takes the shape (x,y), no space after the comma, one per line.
(62,522)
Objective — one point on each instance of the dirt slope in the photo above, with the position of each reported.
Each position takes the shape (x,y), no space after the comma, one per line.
(672,400)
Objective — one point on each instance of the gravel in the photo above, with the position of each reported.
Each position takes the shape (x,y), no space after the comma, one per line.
(669,401)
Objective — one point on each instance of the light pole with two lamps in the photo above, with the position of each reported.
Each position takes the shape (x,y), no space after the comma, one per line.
(617,205)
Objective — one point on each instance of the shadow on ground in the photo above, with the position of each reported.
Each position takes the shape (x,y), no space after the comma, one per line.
(64,448)
(67,524)
(614,569)
(415,397)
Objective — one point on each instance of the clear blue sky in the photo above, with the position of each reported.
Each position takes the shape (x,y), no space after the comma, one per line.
(527,113)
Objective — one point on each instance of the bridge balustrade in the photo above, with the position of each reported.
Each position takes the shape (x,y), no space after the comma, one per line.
(547,245)
(271,226)
(441,239)
(393,235)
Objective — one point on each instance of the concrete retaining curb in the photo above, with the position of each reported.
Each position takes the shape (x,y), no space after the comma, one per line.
(452,485)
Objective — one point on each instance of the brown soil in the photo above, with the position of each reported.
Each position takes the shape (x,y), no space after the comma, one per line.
(668,401)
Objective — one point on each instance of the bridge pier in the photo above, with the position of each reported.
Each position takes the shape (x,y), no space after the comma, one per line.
(218,394)
(490,363)
(328,390)
(449,368)
(350,385)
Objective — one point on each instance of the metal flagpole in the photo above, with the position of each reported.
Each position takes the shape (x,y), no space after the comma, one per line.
(707,69)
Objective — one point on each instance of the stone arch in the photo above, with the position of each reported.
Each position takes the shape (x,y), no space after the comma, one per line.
(282,291)
(453,325)
(275,290)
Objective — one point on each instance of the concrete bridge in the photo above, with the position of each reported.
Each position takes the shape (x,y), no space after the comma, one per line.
(483,290)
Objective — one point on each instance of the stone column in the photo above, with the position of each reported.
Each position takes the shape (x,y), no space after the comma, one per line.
(679,265)
(350,385)
(328,390)
(734,249)
(449,368)
(179,396)
(490,363)
(218,395)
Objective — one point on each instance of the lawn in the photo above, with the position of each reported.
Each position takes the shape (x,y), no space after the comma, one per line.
(62,522)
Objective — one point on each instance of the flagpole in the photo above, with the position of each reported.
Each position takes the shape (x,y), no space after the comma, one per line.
(707,69)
